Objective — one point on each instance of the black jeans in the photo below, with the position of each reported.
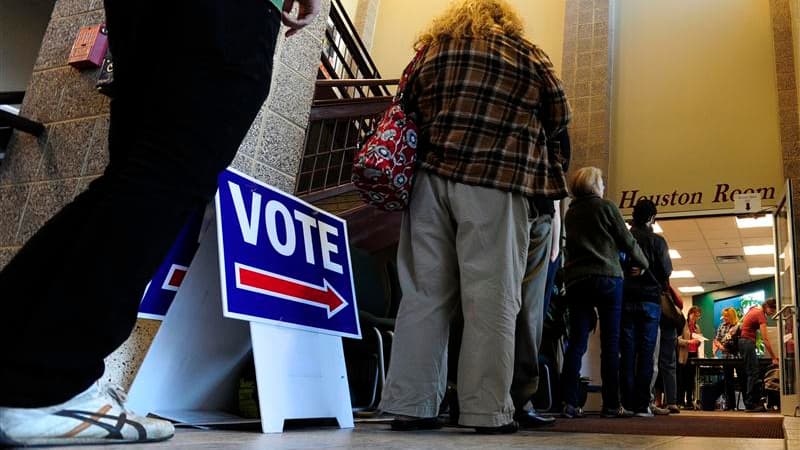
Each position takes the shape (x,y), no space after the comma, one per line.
(686,375)
(747,349)
(190,78)
(605,293)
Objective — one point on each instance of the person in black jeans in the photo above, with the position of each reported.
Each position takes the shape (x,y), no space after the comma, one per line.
(641,311)
(596,234)
(190,77)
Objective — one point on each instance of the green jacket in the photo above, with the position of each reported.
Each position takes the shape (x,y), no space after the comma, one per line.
(596,234)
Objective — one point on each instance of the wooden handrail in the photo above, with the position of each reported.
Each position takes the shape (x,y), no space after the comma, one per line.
(21,123)
(357,82)
(348,108)
(12,97)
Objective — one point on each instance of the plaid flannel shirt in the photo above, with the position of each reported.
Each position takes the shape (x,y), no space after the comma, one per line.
(487,108)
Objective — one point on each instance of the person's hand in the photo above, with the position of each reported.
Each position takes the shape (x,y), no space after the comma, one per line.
(636,271)
(774,361)
(307,10)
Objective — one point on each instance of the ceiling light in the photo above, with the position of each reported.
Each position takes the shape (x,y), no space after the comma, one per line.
(657,228)
(759,249)
(674,254)
(762,271)
(754,222)
(691,289)
(682,274)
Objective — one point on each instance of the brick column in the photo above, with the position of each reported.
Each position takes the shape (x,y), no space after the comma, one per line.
(40,176)
(586,74)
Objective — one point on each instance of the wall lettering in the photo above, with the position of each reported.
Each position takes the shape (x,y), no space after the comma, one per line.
(723,193)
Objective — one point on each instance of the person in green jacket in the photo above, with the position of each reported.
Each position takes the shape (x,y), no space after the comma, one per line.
(597,241)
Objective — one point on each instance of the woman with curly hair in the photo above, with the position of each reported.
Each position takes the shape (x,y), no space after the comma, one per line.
(487,103)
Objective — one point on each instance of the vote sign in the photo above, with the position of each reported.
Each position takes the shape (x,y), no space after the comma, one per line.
(283,261)
(161,290)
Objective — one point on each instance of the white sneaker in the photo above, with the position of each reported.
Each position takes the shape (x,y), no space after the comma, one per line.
(97,416)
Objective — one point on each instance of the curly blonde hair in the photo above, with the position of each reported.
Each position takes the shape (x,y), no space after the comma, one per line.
(472,18)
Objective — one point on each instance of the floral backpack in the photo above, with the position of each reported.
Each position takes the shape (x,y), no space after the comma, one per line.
(383,167)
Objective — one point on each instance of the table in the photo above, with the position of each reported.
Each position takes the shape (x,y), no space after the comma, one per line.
(719,363)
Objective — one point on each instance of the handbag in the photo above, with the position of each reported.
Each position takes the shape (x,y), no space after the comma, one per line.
(730,341)
(383,167)
(670,313)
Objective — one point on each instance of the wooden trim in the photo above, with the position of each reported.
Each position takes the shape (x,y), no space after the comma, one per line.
(353,108)
(357,82)
(327,193)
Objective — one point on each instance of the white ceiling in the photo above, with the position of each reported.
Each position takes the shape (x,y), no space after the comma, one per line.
(700,240)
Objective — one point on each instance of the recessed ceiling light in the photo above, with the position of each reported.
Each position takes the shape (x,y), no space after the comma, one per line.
(754,222)
(674,254)
(657,228)
(759,249)
(762,271)
(682,274)
(691,289)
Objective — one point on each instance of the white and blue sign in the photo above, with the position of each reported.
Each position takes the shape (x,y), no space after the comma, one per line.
(161,290)
(283,261)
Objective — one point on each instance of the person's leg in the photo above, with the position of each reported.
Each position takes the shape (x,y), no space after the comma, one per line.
(667,364)
(581,317)
(690,380)
(654,378)
(627,347)
(493,229)
(730,397)
(528,335)
(111,239)
(609,307)
(647,334)
(747,348)
(428,273)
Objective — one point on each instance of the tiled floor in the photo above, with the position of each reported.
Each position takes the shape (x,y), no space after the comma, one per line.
(378,436)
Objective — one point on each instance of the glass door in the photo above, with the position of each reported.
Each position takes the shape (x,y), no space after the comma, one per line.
(786,296)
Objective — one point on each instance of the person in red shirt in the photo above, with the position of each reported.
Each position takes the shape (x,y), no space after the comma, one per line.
(755,320)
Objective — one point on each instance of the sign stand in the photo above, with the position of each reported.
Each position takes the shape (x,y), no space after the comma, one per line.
(301,375)
(191,372)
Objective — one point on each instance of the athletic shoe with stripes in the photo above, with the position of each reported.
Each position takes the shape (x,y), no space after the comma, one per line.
(95,417)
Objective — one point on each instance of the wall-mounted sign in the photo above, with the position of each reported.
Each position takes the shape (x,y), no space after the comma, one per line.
(90,47)
(718,196)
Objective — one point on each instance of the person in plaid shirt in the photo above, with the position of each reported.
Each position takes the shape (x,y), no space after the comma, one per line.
(487,103)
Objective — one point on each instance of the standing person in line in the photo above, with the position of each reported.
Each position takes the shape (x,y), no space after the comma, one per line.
(464,239)
(688,347)
(641,311)
(544,258)
(755,321)
(729,325)
(101,249)
(596,235)
(667,359)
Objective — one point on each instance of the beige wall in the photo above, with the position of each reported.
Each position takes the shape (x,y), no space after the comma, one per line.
(794,6)
(350,6)
(694,102)
(399,22)
(22,26)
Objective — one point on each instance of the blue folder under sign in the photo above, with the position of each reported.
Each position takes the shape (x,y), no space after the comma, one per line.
(283,261)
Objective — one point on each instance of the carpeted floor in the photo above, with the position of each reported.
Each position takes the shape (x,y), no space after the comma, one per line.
(738,425)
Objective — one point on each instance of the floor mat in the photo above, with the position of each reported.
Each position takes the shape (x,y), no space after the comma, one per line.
(677,425)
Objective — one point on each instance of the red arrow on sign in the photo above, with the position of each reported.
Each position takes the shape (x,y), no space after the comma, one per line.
(263,282)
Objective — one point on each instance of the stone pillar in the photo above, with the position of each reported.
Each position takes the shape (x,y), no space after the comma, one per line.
(40,176)
(586,75)
(366,20)
(781,14)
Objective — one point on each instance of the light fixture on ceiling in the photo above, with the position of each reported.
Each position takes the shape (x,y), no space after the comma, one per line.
(691,289)
(762,271)
(674,254)
(682,274)
(657,228)
(754,222)
(759,249)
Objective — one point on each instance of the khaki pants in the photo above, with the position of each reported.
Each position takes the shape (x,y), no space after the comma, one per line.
(460,245)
